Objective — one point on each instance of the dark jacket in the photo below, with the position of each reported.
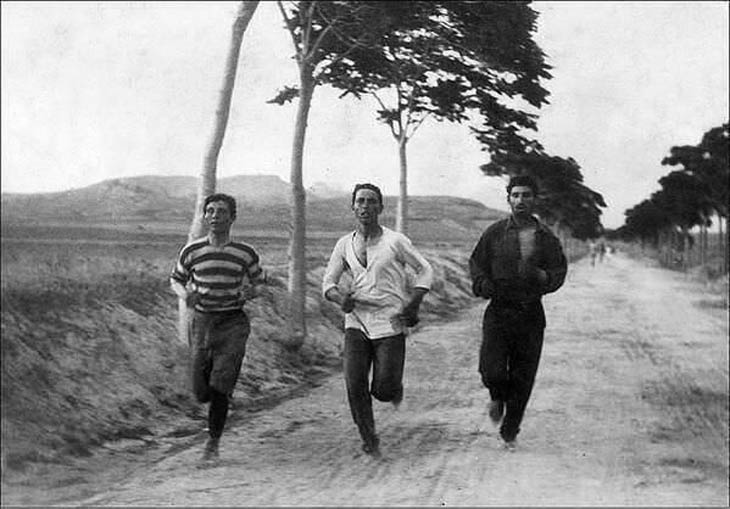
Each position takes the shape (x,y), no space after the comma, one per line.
(494,264)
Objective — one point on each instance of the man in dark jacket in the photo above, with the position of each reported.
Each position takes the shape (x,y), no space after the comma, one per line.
(515,262)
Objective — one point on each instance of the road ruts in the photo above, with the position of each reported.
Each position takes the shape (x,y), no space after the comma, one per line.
(629,408)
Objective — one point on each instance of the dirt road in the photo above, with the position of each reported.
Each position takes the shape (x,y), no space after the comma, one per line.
(630,407)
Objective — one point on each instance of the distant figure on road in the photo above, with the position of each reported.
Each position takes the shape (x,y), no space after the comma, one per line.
(378,307)
(515,262)
(211,274)
(601,250)
(592,251)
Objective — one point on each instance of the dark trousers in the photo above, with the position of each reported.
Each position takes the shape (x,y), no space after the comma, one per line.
(218,343)
(510,353)
(387,357)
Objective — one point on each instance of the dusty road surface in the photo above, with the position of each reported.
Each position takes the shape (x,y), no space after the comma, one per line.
(630,407)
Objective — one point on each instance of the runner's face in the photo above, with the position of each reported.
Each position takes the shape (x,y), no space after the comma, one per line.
(521,200)
(367,206)
(218,217)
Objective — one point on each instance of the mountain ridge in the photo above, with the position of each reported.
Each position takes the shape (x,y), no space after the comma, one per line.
(263,205)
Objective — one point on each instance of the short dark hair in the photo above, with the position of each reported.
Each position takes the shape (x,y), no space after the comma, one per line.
(522,180)
(372,187)
(230,200)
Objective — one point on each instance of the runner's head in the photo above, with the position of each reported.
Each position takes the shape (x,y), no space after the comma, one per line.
(219,212)
(522,180)
(367,204)
(521,196)
(372,187)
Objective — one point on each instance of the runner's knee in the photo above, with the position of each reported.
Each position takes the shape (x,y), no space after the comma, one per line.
(494,377)
(202,394)
(385,391)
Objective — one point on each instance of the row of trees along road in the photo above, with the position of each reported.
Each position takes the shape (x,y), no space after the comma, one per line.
(690,198)
(455,61)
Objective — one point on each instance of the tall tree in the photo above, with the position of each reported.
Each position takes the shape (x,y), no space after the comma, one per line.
(645,221)
(312,25)
(449,61)
(708,163)
(685,198)
(207,180)
(688,197)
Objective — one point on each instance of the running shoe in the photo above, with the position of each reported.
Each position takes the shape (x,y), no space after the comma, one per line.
(211,449)
(372,448)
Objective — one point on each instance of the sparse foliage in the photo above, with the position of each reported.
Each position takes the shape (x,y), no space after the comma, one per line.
(450,61)
(689,196)
(323,33)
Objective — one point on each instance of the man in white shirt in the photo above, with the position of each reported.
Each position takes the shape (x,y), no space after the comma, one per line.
(378,306)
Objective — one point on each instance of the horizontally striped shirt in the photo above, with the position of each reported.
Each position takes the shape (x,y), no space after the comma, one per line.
(217,272)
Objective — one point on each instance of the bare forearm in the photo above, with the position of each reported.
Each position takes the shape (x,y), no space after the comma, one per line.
(418,294)
(179,289)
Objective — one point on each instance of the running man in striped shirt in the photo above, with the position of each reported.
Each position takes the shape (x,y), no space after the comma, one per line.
(216,276)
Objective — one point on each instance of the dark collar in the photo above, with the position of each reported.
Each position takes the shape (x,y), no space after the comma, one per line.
(540,227)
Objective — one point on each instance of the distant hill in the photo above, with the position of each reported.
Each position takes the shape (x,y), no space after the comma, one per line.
(263,201)
(145,198)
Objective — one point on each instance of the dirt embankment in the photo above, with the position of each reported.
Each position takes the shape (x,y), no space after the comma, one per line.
(97,366)
(630,408)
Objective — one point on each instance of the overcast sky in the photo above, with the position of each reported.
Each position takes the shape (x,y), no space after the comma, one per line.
(92,91)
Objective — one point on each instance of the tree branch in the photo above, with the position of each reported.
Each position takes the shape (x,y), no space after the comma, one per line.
(408,108)
(401,133)
(289,25)
(418,124)
(385,108)
(320,39)
(333,25)
(307,24)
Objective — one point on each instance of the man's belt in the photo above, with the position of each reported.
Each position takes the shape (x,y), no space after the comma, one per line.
(226,312)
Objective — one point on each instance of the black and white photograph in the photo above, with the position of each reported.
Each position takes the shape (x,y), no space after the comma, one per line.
(365,253)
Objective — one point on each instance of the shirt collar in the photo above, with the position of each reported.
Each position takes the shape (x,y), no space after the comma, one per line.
(540,227)
(511,223)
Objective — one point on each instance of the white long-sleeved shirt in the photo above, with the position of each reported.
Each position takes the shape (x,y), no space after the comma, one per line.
(380,290)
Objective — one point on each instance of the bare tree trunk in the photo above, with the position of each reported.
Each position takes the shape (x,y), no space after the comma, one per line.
(401,218)
(563,236)
(669,249)
(297,247)
(724,241)
(207,182)
(665,248)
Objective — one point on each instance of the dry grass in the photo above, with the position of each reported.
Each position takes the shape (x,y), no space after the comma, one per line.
(89,352)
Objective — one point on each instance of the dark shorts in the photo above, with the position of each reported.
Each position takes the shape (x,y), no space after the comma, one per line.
(218,345)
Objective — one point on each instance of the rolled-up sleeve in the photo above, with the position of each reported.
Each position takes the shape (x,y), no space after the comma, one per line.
(335,268)
(414,259)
